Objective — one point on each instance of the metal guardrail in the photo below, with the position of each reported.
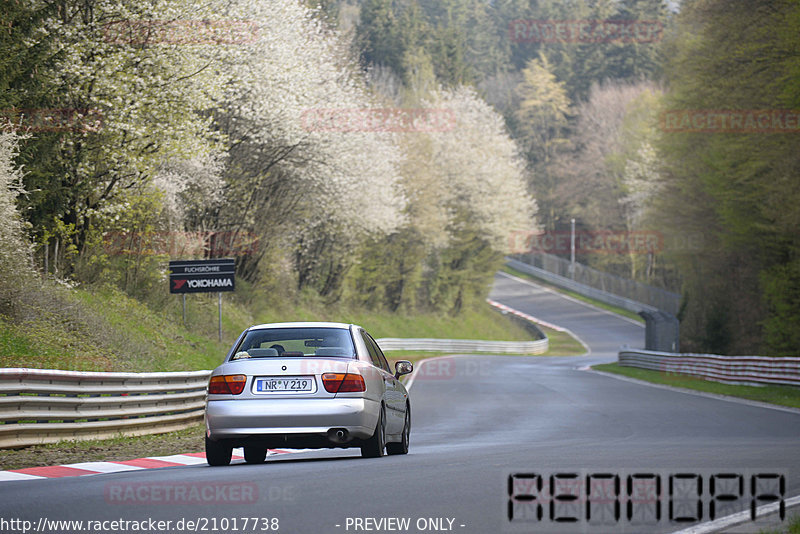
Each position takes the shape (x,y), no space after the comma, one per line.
(566,283)
(745,370)
(46,406)
(633,290)
(538,346)
(464,345)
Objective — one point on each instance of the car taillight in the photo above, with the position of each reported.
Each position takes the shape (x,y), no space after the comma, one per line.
(343,382)
(226,384)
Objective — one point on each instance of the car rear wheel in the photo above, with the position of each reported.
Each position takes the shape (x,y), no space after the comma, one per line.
(402,446)
(373,447)
(218,452)
(254,454)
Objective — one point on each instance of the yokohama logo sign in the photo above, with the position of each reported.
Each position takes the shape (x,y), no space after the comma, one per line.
(201,276)
(201,283)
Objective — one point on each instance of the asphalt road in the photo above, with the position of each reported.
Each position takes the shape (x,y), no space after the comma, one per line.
(476,420)
(604,332)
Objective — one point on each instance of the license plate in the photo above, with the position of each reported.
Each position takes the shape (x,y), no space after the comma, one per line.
(270,384)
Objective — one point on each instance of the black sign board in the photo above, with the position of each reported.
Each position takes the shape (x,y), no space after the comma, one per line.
(201,276)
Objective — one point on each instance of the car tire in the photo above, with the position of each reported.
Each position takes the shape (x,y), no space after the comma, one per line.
(402,446)
(218,452)
(254,454)
(373,447)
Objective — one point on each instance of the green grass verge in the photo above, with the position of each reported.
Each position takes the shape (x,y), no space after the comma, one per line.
(479,323)
(781,395)
(559,344)
(562,344)
(34,344)
(108,330)
(792,526)
(111,331)
(577,296)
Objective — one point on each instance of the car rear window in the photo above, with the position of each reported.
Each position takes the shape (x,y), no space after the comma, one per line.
(295,342)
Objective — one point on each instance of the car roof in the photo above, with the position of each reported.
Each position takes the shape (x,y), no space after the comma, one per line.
(302,324)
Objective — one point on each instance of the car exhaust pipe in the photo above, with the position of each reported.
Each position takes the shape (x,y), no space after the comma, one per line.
(338,435)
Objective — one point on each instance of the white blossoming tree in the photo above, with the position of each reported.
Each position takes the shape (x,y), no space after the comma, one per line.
(466,189)
(173,96)
(239,116)
(480,168)
(609,179)
(296,182)
(16,270)
(12,246)
(133,95)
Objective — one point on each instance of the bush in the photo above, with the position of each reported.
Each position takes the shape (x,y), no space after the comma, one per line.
(16,270)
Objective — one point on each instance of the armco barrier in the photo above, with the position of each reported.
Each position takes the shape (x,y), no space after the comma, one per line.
(747,370)
(581,289)
(46,406)
(465,345)
(557,271)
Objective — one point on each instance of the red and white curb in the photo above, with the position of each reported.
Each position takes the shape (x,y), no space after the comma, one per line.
(531,318)
(97,468)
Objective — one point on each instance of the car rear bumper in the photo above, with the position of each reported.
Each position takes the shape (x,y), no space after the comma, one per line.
(271,419)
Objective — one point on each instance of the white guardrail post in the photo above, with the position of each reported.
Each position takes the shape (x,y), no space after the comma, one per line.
(745,370)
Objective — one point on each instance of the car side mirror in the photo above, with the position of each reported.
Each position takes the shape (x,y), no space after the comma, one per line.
(402,367)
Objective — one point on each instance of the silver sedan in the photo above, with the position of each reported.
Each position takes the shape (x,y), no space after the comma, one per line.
(306,385)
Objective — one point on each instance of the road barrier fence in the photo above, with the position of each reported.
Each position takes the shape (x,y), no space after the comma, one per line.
(46,406)
(605,287)
(744,370)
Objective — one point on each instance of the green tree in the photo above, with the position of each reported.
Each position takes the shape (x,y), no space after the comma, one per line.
(379,35)
(447,52)
(417,66)
(27,52)
(126,105)
(737,188)
(542,119)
